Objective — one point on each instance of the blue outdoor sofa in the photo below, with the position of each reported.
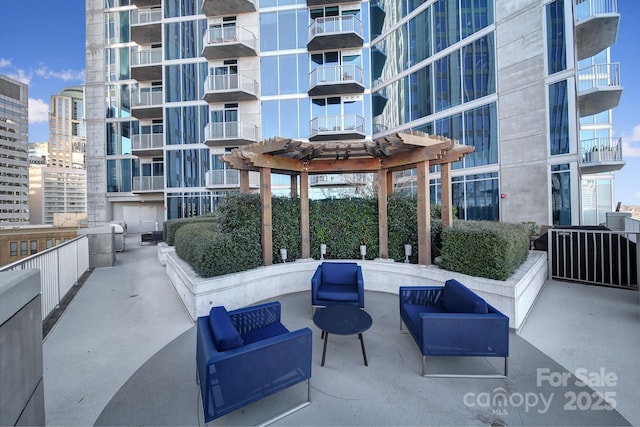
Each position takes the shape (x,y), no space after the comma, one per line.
(452,320)
(337,283)
(247,354)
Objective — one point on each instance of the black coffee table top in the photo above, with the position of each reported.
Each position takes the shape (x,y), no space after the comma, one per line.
(342,319)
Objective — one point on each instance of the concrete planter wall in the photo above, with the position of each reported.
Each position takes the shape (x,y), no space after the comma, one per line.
(514,297)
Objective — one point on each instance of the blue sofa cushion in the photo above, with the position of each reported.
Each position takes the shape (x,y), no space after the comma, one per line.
(413,319)
(339,273)
(457,298)
(225,334)
(268,331)
(334,292)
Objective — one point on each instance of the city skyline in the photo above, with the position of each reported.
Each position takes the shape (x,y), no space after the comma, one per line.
(53,63)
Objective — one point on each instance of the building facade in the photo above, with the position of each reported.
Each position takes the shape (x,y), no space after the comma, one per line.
(56,191)
(172,85)
(14,155)
(67,132)
(23,241)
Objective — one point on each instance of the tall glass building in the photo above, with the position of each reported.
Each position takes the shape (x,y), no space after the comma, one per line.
(174,84)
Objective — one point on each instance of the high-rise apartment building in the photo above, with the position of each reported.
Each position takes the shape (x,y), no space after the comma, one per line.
(67,132)
(172,85)
(56,191)
(14,154)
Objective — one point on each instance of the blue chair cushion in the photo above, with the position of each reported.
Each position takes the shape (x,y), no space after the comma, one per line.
(413,320)
(457,298)
(225,334)
(339,273)
(268,331)
(333,292)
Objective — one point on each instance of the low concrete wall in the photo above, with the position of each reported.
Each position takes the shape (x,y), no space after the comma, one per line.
(514,297)
(21,363)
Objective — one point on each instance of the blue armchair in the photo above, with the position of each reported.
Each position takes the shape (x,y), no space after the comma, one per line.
(247,354)
(453,321)
(337,283)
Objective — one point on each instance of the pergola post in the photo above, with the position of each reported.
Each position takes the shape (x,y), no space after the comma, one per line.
(447,201)
(244,181)
(265,204)
(424,214)
(383,224)
(294,185)
(305,242)
(389,182)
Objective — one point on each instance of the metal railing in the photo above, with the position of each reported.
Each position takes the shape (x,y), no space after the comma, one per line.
(146,97)
(336,74)
(587,8)
(146,16)
(595,256)
(146,141)
(337,124)
(230,82)
(60,268)
(601,150)
(146,57)
(599,76)
(232,34)
(231,130)
(330,25)
(148,183)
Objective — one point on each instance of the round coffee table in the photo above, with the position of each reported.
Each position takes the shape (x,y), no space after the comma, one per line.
(342,320)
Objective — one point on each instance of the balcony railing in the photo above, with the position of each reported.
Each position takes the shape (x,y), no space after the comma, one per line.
(588,8)
(229,42)
(601,150)
(147,97)
(146,57)
(223,178)
(342,127)
(230,87)
(599,76)
(148,141)
(337,76)
(235,131)
(60,268)
(148,183)
(334,25)
(146,16)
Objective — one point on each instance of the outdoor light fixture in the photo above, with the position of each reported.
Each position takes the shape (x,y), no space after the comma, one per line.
(407,252)
(363,251)
(323,250)
(283,254)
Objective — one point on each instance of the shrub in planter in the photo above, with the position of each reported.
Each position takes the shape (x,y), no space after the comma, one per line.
(171,226)
(189,237)
(484,249)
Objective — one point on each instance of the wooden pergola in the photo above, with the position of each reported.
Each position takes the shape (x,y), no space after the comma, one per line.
(396,152)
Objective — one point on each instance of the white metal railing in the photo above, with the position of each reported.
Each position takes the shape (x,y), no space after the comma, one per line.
(230,82)
(232,34)
(337,124)
(330,25)
(148,183)
(146,57)
(147,97)
(222,178)
(599,76)
(588,8)
(595,256)
(601,150)
(334,74)
(146,16)
(60,268)
(231,130)
(146,141)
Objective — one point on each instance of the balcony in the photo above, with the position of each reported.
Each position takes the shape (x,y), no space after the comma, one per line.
(601,155)
(229,179)
(227,7)
(596,23)
(145,26)
(335,32)
(146,65)
(146,3)
(599,88)
(147,145)
(146,103)
(230,88)
(229,42)
(148,184)
(336,80)
(230,133)
(334,128)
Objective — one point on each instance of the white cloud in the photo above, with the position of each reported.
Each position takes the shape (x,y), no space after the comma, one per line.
(631,143)
(20,75)
(38,111)
(64,75)
(4,62)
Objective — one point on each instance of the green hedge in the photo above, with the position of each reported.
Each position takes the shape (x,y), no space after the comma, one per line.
(171,226)
(484,249)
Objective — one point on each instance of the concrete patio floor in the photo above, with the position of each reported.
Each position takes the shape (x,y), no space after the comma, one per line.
(123,353)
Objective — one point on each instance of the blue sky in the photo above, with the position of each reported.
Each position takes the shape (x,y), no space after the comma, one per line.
(43,43)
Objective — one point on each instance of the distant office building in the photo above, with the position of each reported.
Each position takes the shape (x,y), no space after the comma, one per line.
(38,153)
(174,84)
(14,158)
(67,131)
(18,242)
(56,191)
